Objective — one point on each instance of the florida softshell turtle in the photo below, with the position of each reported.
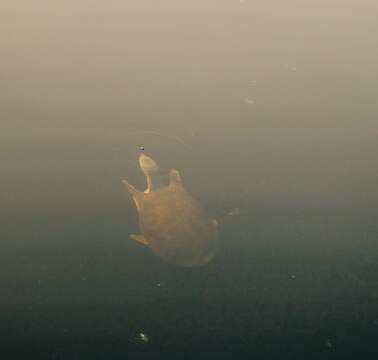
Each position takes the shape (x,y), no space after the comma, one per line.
(172,224)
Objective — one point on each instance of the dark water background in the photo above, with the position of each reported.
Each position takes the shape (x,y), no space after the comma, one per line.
(277,103)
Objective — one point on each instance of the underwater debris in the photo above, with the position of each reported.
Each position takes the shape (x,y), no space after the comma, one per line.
(250,101)
(237,212)
(329,344)
(142,338)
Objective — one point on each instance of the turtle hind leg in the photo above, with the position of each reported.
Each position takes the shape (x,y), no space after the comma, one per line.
(139,238)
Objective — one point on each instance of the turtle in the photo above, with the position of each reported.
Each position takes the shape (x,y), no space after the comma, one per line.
(172,223)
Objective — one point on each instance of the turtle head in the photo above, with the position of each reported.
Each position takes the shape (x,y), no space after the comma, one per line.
(151,171)
(148,166)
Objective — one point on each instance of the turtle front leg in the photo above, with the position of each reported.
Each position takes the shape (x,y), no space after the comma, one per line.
(130,188)
(137,195)
(139,238)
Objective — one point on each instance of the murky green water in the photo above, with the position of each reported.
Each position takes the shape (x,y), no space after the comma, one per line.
(268,110)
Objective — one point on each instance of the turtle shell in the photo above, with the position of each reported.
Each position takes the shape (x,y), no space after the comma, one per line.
(176,227)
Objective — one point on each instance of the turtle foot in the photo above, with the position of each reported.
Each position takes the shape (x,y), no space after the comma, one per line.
(139,238)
